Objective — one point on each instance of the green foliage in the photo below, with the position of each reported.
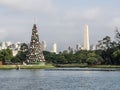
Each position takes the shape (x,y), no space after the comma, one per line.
(60,59)
(81,56)
(5,56)
(107,47)
(70,58)
(116,56)
(15,60)
(105,43)
(92,60)
(21,56)
(49,57)
(54,58)
(24,47)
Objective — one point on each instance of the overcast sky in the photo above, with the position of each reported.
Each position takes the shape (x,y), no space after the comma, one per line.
(60,21)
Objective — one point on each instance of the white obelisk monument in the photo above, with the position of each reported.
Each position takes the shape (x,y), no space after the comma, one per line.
(86,38)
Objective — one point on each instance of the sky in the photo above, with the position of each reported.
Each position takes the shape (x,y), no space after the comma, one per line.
(58,21)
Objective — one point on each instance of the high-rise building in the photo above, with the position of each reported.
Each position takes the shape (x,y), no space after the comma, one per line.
(5,45)
(70,49)
(43,44)
(92,47)
(86,38)
(35,54)
(54,48)
(78,47)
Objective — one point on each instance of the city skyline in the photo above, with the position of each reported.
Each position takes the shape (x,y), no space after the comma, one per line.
(60,21)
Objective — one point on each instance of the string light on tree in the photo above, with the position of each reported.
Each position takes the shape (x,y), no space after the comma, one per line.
(35,54)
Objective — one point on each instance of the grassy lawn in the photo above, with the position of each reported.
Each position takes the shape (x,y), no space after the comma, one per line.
(36,66)
(7,66)
(71,65)
(26,66)
(89,66)
(105,66)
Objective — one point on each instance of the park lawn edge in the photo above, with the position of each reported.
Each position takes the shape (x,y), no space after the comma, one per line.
(86,66)
(6,67)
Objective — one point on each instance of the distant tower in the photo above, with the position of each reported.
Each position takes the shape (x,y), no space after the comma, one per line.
(43,44)
(70,49)
(54,48)
(35,54)
(78,47)
(86,38)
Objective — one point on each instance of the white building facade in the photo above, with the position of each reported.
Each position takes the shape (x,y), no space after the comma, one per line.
(54,48)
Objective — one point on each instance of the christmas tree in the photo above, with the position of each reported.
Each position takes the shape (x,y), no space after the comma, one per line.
(35,54)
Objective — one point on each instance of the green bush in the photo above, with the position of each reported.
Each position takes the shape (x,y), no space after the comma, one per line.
(92,60)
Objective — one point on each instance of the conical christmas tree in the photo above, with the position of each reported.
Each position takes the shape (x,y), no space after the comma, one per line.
(35,54)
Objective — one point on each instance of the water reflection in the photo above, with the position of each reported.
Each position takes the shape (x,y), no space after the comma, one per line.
(59,80)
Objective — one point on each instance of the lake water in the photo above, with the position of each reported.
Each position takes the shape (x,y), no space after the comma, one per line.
(59,80)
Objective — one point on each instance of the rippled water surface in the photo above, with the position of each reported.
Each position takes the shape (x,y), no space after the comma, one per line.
(59,80)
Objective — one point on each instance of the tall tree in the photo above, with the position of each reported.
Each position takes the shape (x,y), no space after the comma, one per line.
(106,45)
(117,37)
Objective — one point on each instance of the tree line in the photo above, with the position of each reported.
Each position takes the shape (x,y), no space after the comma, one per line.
(107,53)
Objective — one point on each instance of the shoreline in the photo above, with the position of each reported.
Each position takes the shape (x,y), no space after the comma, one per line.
(83,69)
(60,67)
(85,66)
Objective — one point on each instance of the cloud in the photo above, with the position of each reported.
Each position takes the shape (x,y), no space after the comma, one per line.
(92,13)
(29,5)
(59,23)
(72,19)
